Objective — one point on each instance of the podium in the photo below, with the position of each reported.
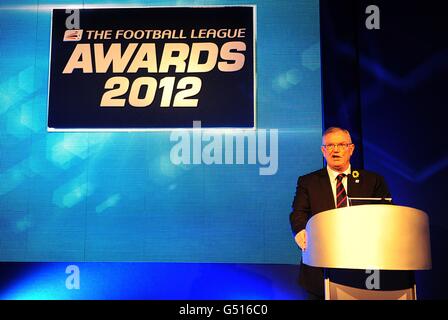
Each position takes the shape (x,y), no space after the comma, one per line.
(369,237)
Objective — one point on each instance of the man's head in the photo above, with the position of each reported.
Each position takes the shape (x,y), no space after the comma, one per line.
(337,148)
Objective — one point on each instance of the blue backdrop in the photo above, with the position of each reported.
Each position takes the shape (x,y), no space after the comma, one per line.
(117,196)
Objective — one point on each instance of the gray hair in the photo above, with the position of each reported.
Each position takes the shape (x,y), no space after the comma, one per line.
(336,129)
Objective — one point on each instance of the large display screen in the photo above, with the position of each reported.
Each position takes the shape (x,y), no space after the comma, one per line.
(152,68)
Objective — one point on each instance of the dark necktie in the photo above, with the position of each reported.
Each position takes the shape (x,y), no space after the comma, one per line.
(341,195)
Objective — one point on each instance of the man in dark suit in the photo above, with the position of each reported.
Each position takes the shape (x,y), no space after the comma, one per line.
(322,190)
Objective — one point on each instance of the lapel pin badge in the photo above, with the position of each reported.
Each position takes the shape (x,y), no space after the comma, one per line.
(355,174)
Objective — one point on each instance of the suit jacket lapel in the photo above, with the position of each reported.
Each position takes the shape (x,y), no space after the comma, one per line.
(327,193)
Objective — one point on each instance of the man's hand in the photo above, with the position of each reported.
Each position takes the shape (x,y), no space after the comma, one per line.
(301,239)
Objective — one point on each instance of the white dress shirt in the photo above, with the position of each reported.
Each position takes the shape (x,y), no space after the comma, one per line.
(333,181)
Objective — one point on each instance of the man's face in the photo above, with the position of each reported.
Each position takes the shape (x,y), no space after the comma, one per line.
(339,158)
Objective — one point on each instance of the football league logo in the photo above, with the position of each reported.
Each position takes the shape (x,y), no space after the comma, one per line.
(72,35)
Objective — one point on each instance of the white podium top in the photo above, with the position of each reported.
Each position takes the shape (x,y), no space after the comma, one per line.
(378,237)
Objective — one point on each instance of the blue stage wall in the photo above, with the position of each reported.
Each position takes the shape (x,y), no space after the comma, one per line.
(155,281)
(118,196)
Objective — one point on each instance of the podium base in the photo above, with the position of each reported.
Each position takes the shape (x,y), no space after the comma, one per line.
(336,291)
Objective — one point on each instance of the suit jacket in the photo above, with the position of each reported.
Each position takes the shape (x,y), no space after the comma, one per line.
(314,195)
